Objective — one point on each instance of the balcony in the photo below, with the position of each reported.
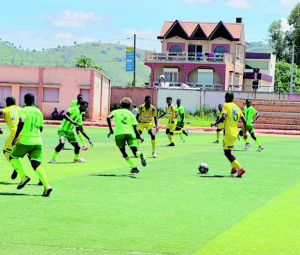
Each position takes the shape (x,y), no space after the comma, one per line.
(192,85)
(188,57)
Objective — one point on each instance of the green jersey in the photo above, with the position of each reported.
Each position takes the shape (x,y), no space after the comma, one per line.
(74,114)
(31,134)
(249,113)
(180,111)
(124,120)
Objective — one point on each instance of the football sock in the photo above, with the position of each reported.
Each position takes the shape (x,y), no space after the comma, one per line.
(181,136)
(138,154)
(81,137)
(236,164)
(7,155)
(55,154)
(258,142)
(16,163)
(153,143)
(42,176)
(170,138)
(177,132)
(218,136)
(130,162)
(245,140)
(76,157)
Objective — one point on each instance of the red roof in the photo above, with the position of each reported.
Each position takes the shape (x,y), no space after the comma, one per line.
(235,29)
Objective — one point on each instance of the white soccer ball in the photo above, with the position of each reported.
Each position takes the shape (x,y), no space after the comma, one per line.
(203,168)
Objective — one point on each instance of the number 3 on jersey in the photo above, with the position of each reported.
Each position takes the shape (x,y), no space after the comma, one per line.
(235,115)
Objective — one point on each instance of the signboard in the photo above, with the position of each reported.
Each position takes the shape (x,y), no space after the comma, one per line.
(129,59)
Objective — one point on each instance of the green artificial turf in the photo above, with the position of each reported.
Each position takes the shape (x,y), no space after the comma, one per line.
(168,208)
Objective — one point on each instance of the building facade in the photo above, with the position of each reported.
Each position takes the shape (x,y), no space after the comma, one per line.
(56,87)
(200,54)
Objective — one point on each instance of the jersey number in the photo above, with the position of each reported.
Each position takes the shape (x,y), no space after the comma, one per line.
(235,115)
(13,113)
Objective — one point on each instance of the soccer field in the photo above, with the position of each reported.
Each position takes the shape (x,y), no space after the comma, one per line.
(168,208)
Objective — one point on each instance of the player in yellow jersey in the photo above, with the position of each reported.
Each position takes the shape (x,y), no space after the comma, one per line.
(172,114)
(145,115)
(11,117)
(231,114)
(220,126)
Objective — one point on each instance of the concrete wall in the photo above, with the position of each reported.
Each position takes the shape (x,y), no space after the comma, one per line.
(136,94)
(190,99)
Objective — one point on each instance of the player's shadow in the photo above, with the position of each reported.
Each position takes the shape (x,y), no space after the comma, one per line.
(116,175)
(67,149)
(57,163)
(8,183)
(16,194)
(215,176)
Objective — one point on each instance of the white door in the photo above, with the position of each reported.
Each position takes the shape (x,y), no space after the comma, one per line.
(4,93)
(25,90)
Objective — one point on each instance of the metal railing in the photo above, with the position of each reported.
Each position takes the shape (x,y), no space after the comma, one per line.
(265,88)
(192,85)
(189,57)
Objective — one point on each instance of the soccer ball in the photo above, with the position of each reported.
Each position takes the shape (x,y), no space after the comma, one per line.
(203,168)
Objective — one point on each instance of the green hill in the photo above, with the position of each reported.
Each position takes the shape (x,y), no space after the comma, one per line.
(110,56)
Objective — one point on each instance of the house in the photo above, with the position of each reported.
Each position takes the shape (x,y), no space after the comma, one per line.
(56,87)
(260,67)
(200,54)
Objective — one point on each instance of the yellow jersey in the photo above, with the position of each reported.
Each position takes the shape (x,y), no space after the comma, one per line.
(11,116)
(146,115)
(171,111)
(232,114)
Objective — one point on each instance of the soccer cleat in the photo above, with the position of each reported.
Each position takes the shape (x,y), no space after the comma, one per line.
(183,141)
(234,170)
(84,148)
(23,183)
(134,170)
(241,172)
(40,183)
(217,141)
(184,132)
(80,160)
(14,175)
(260,148)
(52,161)
(171,144)
(47,192)
(154,155)
(143,160)
(247,146)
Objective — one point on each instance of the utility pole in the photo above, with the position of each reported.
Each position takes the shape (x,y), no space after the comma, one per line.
(292,67)
(134,62)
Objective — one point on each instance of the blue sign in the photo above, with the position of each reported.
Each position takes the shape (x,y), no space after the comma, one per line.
(129,59)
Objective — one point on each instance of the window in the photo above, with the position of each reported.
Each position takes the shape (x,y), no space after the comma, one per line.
(175,49)
(205,76)
(51,95)
(171,74)
(220,49)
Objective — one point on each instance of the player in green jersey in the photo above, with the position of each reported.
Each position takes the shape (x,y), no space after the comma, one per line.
(126,132)
(73,118)
(31,126)
(76,103)
(249,113)
(180,120)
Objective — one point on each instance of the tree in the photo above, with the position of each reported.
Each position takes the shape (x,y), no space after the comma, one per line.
(85,62)
(276,38)
(283,76)
(294,20)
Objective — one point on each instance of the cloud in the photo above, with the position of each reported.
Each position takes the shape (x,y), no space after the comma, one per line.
(289,2)
(62,36)
(240,4)
(285,26)
(71,18)
(197,1)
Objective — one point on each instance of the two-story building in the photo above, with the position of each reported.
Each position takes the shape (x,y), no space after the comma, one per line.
(200,54)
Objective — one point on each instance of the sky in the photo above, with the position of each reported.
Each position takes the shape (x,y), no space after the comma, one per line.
(37,24)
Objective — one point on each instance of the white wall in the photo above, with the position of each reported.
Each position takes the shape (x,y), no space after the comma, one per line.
(190,99)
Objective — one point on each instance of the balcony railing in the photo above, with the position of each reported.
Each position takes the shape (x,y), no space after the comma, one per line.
(188,57)
(202,86)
